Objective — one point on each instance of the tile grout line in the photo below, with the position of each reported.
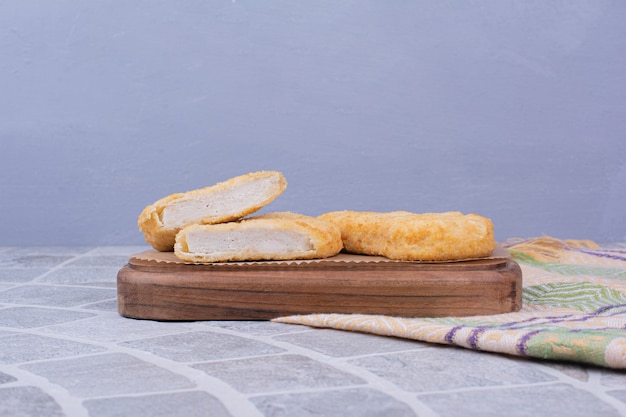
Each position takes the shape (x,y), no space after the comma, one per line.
(270,339)
(228,396)
(63,398)
(232,401)
(69,404)
(561,377)
(62,264)
(603,395)
(372,381)
(592,386)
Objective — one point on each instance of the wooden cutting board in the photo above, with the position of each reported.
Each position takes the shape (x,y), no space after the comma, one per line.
(157,286)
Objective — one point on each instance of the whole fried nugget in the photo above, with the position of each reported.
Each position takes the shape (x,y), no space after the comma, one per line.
(272,236)
(226,201)
(409,236)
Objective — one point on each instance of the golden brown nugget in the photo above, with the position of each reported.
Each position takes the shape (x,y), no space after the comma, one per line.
(226,201)
(272,236)
(402,235)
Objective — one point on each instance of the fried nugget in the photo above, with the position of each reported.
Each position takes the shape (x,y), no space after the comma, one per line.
(403,235)
(272,236)
(226,201)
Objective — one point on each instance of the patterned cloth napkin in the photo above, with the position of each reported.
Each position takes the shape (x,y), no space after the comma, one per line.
(574,309)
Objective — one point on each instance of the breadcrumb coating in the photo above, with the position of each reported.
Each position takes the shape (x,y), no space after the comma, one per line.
(403,235)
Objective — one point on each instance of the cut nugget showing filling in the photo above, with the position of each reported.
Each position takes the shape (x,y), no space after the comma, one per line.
(223,202)
(220,205)
(255,241)
(273,236)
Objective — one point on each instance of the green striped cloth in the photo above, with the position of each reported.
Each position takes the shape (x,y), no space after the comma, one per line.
(574,309)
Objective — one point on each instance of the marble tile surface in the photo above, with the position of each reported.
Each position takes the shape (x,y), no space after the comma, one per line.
(65,351)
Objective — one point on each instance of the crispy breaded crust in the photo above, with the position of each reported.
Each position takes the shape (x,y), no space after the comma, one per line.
(272,236)
(226,201)
(409,236)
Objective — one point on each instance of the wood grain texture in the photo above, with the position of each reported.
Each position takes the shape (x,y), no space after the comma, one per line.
(262,291)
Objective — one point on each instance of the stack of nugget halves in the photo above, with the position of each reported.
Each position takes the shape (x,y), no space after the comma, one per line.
(214,224)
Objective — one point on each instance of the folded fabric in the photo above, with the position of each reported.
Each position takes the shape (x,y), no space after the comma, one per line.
(574,309)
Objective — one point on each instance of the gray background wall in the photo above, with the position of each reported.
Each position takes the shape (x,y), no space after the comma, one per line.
(512,109)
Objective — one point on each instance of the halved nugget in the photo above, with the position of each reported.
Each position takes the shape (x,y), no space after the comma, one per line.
(402,235)
(223,202)
(272,236)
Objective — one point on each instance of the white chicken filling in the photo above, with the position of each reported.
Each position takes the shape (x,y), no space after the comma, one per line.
(230,201)
(250,240)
